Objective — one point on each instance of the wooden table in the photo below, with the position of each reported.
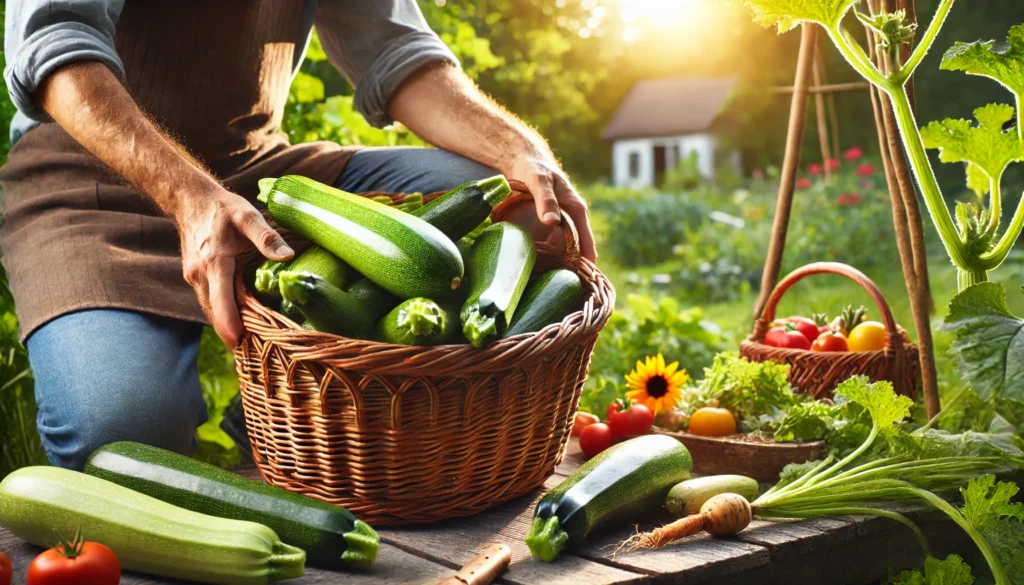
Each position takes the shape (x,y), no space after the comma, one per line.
(846,550)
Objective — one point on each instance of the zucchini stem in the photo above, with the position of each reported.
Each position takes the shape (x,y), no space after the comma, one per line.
(286,562)
(546,538)
(496,189)
(266,186)
(363,545)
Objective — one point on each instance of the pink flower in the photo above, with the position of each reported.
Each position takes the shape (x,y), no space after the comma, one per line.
(847,199)
(758,174)
(813,169)
(853,154)
(865,170)
(832,164)
(803,183)
(866,185)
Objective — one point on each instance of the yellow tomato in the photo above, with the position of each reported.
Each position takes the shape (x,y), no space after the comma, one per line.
(868,336)
(712,422)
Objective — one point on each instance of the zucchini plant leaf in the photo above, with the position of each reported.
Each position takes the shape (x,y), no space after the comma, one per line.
(1003,62)
(951,571)
(988,341)
(988,507)
(880,400)
(786,14)
(985,146)
(977,180)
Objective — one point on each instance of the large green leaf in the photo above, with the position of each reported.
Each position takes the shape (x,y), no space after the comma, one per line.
(1001,62)
(786,14)
(988,507)
(952,571)
(988,341)
(986,145)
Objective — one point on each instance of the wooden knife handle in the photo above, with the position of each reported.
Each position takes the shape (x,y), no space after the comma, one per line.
(484,568)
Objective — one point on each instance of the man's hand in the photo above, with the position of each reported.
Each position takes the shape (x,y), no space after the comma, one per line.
(444,107)
(214,230)
(88,101)
(552,191)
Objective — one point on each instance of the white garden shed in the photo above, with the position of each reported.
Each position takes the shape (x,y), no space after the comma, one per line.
(662,121)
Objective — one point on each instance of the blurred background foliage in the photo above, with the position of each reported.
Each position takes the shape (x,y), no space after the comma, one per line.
(563,66)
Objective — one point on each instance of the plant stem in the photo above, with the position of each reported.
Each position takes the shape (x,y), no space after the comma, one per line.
(845,461)
(900,77)
(995,257)
(842,511)
(857,58)
(995,204)
(998,571)
(968,278)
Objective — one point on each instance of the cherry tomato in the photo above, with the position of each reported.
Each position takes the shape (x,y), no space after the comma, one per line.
(787,337)
(6,569)
(868,336)
(75,563)
(806,326)
(596,438)
(631,421)
(615,406)
(830,341)
(712,422)
(582,421)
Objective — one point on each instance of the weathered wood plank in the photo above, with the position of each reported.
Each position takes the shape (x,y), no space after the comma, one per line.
(790,538)
(456,541)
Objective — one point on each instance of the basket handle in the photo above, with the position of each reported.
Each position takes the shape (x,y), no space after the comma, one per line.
(763,323)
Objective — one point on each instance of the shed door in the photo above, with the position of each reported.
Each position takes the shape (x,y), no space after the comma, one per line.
(659,165)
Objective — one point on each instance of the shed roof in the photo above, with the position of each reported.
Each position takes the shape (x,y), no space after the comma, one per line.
(669,106)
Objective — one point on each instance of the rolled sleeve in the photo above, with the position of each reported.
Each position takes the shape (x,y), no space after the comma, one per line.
(377,45)
(43,35)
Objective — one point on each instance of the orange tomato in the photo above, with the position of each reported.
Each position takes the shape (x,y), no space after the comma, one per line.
(582,421)
(712,422)
(6,569)
(868,336)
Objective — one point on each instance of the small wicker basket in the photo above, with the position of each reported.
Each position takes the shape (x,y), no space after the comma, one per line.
(402,434)
(818,373)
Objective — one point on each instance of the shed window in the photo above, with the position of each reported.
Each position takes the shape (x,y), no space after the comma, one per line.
(634,165)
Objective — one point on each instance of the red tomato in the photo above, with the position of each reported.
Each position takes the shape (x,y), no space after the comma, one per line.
(787,337)
(806,326)
(6,569)
(631,421)
(75,563)
(615,406)
(582,421)
(596,438)
(830,341)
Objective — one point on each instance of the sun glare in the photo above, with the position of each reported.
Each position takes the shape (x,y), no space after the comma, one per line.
(656,11)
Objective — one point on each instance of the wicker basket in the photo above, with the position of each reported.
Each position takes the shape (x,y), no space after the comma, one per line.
(401,434)
(818,373)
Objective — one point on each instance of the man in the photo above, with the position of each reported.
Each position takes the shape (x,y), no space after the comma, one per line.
(143,127)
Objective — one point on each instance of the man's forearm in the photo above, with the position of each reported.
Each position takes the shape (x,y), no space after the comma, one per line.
(443,106)
(89,102)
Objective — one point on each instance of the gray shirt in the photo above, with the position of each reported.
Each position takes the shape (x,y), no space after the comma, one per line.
(376,44)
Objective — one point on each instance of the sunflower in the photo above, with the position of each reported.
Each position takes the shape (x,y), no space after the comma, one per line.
(655,385)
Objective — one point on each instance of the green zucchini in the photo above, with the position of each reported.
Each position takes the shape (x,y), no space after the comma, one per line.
(327,307)
(317,260)
(687,497)
(290,310)
(465,244)
(399,251)
(330,535)
(547,300)
(147,535)
(620,484)
(499,266)
(417,322)
(459,211)
(376,300)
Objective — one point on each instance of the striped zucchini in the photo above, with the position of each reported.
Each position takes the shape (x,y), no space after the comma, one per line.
(459,211)
(327,307)
(399,251)
(330,535)
(500,262)
(147,535)
(547,300)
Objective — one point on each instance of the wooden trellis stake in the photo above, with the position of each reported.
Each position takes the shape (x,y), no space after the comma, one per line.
(907,219)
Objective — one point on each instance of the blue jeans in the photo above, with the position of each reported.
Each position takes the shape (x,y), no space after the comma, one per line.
(106,375)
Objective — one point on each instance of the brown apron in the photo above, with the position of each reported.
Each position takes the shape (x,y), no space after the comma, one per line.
(216,76)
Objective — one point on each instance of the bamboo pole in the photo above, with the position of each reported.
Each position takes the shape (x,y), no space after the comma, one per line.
(828,88)
(820,116)
(913,259)
(787,180)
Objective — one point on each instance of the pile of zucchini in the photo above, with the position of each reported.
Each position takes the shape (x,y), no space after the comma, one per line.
(409,274)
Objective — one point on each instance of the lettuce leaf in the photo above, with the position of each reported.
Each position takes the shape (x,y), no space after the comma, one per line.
(951,571)
(988,341)
(881,401)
